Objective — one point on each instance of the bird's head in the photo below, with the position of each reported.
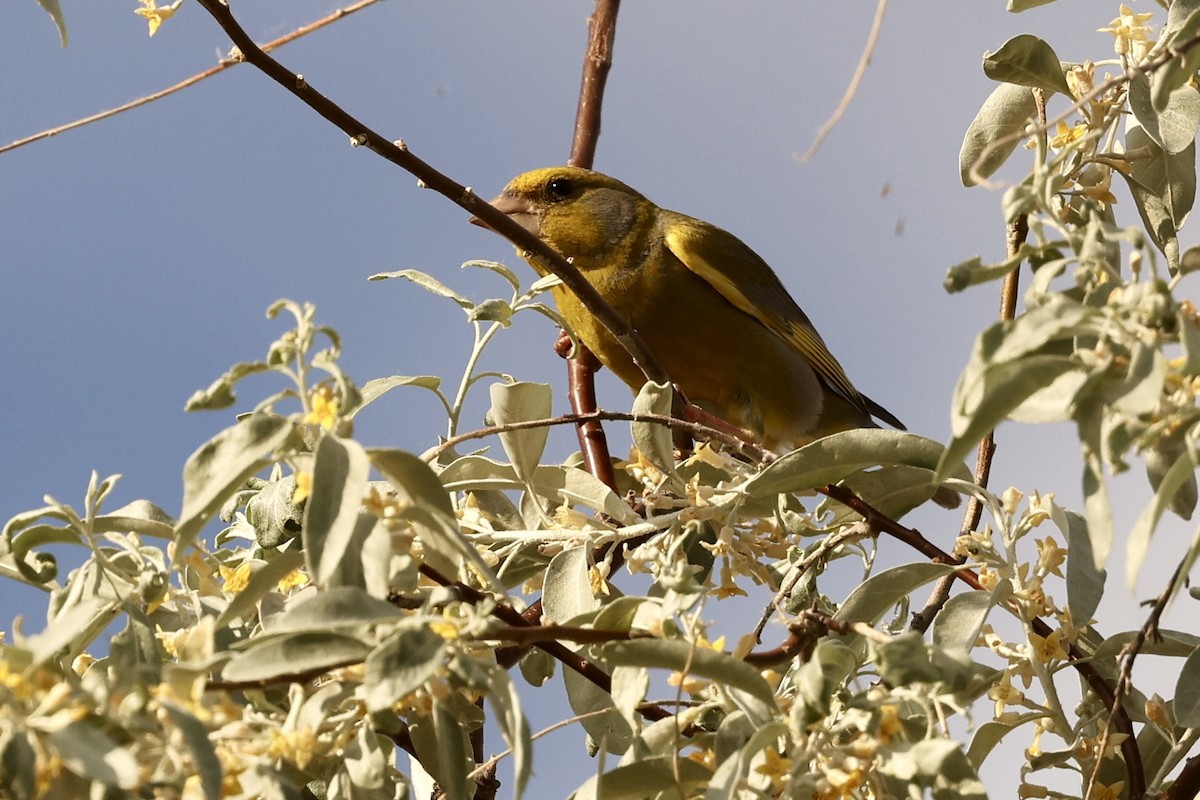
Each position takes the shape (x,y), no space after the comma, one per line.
(576,211)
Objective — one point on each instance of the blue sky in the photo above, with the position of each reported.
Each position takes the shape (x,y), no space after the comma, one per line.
(140,253)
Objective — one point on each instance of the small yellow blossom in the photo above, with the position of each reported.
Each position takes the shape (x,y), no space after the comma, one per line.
(323,408)
(155,15)
(775,766)
(889,723)
(988,578)
(235,579)
(1048,648)
(1050,557)
(598,582)
(705,758)
(304,485)
(1004,693)
(1131,34)
(296,579)
(1011,499)
(1110,792)
(296,746)
(1064,136)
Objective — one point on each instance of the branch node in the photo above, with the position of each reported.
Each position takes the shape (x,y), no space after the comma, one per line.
(401,145)
(236,54)
(359,140)
(300,82)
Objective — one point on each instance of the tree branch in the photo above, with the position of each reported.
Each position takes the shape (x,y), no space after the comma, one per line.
(428,177)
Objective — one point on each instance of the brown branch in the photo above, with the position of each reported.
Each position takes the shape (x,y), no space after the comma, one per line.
(532,634)
(581,370)
(581,390)
(602,31)
(223,65)
(1187,782)
(430,178)
(1016,233)
(1130,653)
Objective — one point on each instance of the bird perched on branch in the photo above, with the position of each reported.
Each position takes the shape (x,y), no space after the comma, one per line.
(708,307)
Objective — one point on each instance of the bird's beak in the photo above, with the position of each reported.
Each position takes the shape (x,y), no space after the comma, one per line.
(518,208)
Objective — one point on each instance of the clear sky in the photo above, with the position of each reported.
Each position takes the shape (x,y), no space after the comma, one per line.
(140,253)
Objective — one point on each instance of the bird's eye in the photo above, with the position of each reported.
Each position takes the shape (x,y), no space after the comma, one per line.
(560,188)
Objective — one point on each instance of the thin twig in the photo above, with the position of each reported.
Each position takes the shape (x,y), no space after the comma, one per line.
(430,178)
(224,64)
(1129,655)
(581,370)
(698,430)
(851,90)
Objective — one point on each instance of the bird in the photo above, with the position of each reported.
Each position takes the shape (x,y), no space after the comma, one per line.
(708,307)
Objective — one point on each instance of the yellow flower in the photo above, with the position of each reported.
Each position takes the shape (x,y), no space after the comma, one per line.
(297,746)
(235,579)
(323,409)
(1127,29)
(1110,792)
(1063,135)
(776,767)
(1048,648)
(1003,692)
(988,578)
(303,487)
(156,15)
(1050,557)
(889,723)
(293,580)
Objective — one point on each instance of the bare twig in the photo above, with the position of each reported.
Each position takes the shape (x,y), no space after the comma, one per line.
(581,370)
(430,178)
(223,65)
(1129,655)
(852,89)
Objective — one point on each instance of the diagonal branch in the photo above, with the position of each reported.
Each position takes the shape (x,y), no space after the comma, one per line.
(430,178)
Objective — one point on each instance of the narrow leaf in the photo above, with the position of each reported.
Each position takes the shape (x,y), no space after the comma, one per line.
(1028,61)
(1005,113)
(339,481)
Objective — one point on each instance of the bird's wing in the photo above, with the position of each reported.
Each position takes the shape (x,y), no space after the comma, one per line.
(745,280)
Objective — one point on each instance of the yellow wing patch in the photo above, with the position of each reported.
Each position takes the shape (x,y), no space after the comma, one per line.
(798,333)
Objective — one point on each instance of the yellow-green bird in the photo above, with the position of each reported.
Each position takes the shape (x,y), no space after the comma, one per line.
(710,309)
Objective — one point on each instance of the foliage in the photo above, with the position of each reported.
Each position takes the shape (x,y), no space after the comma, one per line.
(359,602)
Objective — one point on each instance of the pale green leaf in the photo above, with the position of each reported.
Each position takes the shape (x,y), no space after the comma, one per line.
(340,606)
(331,514)
(1139,537)
(744,682)
(956,627)
(644,779)
(514,727)
(1017,6)
(610,730)
(402,664)
(262,580)
(567,588)
(1029,61)
(221,466)
(428,283)
(1005,113)
(295,655)
(53,8)
(1085,581)
(880,592)
(522,402)
(87,750)
(372,390)
(1174,128)
(986,737)
(206,765)
(1187,692)
(652,440)
(832,458)
(453,760)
